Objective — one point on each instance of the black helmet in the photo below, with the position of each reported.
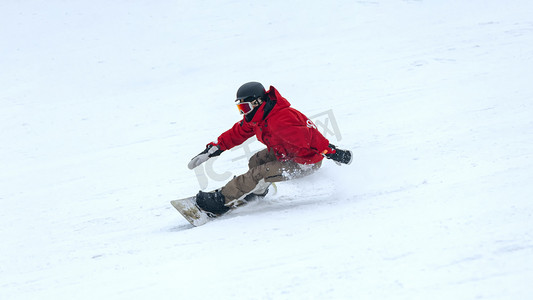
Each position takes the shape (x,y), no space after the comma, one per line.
(252,90)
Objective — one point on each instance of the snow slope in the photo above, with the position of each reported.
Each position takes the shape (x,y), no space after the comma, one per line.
(103,103)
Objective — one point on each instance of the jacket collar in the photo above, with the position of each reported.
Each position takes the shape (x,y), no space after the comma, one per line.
(274,104)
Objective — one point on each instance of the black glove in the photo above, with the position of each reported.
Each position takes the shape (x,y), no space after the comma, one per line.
(211,150)
(340,156)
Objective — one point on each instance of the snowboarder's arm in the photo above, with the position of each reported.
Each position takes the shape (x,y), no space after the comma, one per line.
(306,139)
(239,133)
(300,133)
(235,136)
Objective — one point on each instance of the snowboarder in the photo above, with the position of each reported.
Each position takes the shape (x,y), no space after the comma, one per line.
(295,148)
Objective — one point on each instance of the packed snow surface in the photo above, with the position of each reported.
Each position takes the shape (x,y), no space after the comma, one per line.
(103,104)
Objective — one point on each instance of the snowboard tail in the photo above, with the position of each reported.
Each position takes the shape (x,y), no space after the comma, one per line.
(191,212)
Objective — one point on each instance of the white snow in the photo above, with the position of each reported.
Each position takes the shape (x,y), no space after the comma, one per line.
(103,103)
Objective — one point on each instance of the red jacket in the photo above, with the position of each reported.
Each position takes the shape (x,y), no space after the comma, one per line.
(285,130)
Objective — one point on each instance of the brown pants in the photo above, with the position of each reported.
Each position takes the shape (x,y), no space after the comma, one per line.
(264,166)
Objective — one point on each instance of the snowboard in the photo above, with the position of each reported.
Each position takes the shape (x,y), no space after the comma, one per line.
(188,208)
(197,217)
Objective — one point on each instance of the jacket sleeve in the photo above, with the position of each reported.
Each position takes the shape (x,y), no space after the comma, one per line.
(235,136)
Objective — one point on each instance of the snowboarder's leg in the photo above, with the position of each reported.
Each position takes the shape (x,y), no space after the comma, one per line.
(264,170)
(261,157)
(263,174)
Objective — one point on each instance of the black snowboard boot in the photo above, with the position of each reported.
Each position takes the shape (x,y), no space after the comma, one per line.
(212,202)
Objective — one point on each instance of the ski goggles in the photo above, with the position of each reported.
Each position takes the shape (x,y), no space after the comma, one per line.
(247,107)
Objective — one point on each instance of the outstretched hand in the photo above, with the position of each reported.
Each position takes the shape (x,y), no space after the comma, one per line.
(211,150)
